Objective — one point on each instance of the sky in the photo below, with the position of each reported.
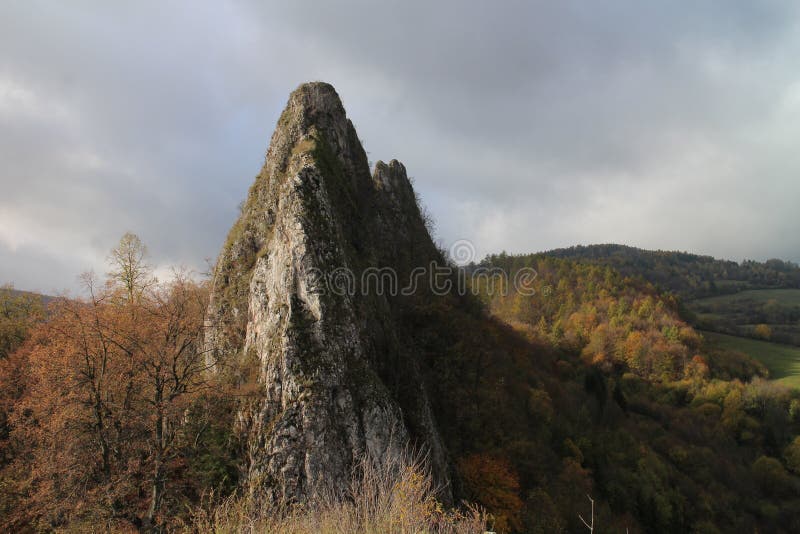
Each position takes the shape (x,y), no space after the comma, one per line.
(526,126)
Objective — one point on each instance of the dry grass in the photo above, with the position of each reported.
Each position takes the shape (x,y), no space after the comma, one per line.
(398,497)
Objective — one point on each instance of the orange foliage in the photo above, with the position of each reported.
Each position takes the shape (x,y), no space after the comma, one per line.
(102,387)
(494,484)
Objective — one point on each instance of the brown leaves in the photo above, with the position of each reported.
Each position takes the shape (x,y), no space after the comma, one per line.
(101,391)
(493,483)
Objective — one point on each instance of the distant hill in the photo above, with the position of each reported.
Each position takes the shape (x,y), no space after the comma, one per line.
(19,293)
(19,310)
(718,295)
(690,276)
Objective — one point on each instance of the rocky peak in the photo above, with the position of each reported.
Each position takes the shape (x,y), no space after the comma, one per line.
(312,108)
(391,177)
(328,364)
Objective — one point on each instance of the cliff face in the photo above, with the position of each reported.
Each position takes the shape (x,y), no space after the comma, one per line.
(335,381)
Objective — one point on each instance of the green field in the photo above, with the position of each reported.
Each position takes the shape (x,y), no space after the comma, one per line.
(787,297)
(739,313)
(783,361)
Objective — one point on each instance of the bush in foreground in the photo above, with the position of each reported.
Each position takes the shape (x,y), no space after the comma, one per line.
(398,497)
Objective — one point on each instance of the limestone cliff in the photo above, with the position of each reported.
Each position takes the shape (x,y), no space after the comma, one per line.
(335,381)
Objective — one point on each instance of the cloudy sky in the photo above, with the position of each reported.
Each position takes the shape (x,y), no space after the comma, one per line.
(526,125)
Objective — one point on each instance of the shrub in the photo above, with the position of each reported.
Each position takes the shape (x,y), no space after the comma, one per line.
(397,497)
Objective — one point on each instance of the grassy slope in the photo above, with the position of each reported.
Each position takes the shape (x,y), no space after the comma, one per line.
(737,313)
(783,361)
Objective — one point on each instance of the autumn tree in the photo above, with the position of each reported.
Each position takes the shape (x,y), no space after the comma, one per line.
(493,483)
(19,312)
(762,331)
(111,379)
(76,418)
(172,367)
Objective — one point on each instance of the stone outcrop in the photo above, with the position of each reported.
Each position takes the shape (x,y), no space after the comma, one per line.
(336,383)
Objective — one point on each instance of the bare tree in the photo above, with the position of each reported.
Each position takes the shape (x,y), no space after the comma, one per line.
(129,267)
(173,369)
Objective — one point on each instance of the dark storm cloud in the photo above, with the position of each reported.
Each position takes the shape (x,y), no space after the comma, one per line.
(526,125)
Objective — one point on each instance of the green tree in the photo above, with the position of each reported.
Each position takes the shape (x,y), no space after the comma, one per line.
(18,312)
(771,475)
(792,456)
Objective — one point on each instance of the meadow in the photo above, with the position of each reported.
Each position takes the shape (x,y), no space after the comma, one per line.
(739,313)
(783,361)
(785,297)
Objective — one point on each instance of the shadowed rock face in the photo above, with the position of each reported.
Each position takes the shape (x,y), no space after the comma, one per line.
(335,381)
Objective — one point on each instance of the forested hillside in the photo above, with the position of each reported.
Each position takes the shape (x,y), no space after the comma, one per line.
(750,299)
(681,435)
(592,386)
(689,275)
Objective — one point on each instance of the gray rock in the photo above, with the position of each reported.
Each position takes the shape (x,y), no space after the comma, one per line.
(328,366)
